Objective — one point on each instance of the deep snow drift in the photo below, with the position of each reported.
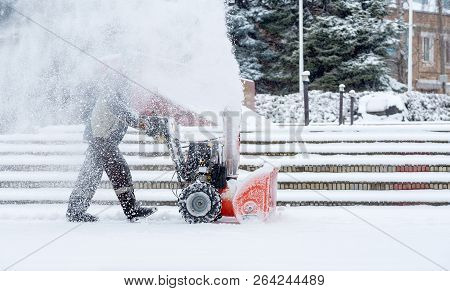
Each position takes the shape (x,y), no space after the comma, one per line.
(299,238)
(51,50)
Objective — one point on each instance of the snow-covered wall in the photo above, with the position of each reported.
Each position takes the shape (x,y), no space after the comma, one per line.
(51,49)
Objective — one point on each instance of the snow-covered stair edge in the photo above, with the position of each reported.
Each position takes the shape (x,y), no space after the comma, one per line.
(298,160)
(168,176)
(346,148)
(107,195)
(415,132)
(246,149)
(283,169)
(291,181)
(314,127)
(271,137)
(354,186)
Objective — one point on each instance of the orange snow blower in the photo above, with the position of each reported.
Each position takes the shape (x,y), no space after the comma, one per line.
(207,173)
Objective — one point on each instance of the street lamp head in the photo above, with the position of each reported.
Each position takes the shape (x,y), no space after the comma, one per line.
(305,76)
(341,88)
(352,93)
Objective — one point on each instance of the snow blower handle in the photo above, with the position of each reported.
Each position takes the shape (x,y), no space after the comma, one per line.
(165,130)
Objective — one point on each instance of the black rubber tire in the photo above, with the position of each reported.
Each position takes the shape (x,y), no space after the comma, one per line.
(214,196)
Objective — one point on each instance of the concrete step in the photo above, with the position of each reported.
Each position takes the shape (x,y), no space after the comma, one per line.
(347,149)
(344,137)
(252,138)
(306,185)
(269,134)
(251,168)
(299,163)
(293,181)
(150,150)
(285,197)
(355,168)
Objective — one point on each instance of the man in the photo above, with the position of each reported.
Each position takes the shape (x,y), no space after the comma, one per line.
(105,129)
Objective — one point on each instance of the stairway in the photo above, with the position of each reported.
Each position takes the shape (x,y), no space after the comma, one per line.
(315,158)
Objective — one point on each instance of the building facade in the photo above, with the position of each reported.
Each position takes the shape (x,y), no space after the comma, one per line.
(427,58)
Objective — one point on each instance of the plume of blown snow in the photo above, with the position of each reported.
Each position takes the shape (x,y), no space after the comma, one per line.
(50,50)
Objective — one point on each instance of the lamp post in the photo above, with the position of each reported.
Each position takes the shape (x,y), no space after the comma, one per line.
(305,78)
(443,78)
(352,105)
(410,46)
(341,103)
(300,36)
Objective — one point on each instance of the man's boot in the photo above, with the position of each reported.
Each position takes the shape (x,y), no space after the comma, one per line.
(131,209)
(76,211)
(81,217)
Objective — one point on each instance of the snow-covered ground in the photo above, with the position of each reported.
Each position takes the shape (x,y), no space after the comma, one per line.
(37,237)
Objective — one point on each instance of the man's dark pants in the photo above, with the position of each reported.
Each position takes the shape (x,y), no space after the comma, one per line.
(101,155)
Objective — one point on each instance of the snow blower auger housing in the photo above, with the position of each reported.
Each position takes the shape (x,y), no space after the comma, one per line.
(207,173)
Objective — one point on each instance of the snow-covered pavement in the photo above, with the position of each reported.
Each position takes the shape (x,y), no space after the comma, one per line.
(298,238)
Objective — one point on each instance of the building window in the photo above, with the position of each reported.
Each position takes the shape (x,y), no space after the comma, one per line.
(427,49)
(447,51)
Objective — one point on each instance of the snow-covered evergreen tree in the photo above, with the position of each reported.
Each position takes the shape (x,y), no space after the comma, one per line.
(246,43)
(277,24)
(265,34)
(5,9)
(347,42)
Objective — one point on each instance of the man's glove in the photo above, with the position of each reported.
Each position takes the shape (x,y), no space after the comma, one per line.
(155,127)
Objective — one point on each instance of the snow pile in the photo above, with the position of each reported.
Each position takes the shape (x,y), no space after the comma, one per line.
(179,49)
(369,107)
(381,106)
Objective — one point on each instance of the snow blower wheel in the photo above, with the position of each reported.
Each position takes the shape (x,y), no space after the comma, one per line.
(200,203)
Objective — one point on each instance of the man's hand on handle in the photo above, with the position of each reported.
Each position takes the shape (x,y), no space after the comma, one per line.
(154,127)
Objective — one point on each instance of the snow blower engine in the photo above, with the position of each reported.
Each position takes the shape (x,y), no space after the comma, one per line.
(207,174)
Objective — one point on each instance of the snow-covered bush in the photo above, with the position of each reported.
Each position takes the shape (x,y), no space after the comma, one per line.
(428,107)
(324,107)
